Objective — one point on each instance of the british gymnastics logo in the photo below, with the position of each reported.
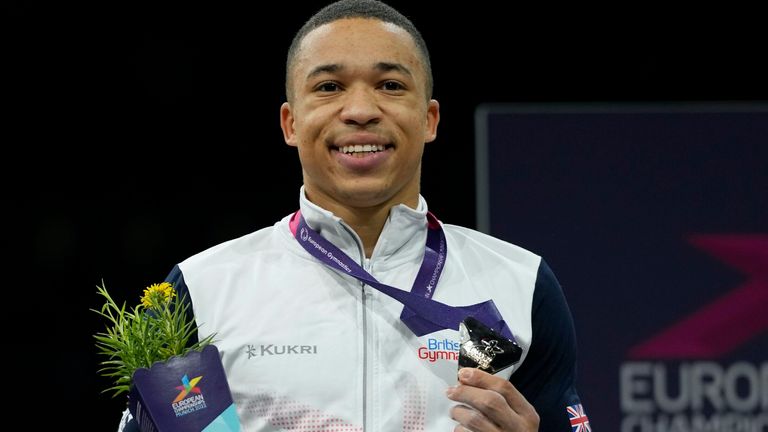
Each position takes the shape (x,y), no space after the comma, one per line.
(184,403)
(436,349)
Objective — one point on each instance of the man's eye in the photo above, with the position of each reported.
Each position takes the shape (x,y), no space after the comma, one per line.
(392,86)
(328,87)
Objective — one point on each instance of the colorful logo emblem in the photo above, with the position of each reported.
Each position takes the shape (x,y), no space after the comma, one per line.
(189,386)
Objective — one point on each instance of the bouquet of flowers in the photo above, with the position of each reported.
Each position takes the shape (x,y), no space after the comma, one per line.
(149,354)
(155,330)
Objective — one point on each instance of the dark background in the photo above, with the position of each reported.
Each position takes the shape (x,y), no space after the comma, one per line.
(613,198)
(137,134)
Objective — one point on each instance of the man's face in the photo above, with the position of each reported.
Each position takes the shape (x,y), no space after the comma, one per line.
(359,115)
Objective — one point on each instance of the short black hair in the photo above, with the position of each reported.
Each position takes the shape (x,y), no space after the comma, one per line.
(370,9)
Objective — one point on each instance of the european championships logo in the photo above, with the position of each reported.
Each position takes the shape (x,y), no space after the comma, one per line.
(689,377)
(184,403)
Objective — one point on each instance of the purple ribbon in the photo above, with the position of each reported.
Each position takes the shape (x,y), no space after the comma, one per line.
(420,313)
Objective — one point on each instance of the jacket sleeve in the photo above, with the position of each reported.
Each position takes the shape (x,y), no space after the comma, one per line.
(176,278)
(127,423)
(547,376)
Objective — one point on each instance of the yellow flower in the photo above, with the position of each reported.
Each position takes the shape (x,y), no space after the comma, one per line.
(157,295)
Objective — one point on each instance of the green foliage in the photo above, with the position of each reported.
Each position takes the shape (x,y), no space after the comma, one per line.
(137,338)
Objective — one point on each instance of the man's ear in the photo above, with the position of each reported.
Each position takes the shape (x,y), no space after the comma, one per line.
(433,118)
(286,124)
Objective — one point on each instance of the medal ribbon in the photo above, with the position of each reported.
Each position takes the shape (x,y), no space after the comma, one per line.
(420,313)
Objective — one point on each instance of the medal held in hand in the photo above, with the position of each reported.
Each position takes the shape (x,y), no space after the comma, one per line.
(483,348)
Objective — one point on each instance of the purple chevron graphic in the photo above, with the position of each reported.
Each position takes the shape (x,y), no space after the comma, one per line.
(728,322)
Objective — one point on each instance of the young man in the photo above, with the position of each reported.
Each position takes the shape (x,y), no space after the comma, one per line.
(308,337)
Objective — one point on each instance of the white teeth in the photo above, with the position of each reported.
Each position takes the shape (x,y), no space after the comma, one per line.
(361,148)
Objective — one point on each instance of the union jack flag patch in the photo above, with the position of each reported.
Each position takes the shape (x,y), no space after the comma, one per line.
(578,418)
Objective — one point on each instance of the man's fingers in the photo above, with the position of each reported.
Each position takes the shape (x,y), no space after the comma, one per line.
(470,419)
(478,378)
(483,410)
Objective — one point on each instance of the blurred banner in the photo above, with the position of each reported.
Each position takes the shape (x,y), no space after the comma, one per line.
(655,220)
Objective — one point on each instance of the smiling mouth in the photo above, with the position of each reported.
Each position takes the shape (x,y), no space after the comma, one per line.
(360,150)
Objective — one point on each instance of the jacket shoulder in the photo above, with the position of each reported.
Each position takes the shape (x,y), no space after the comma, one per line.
(238,249)
(472,241)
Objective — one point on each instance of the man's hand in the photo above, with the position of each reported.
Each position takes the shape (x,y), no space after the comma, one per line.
(491,403)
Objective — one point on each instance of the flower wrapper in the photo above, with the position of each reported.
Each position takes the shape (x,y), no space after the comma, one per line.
(187,393)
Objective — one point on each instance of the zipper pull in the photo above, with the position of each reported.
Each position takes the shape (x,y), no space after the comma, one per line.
(368,293)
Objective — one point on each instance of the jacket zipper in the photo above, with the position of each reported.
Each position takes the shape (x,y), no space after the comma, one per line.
(365,351)
(365,263)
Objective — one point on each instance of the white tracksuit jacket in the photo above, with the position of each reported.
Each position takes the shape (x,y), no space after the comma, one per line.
(306,348)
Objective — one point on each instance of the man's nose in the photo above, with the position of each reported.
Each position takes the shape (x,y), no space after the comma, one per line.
(361,106)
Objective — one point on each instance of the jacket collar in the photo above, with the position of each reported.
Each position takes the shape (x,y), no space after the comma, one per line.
(404,231)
